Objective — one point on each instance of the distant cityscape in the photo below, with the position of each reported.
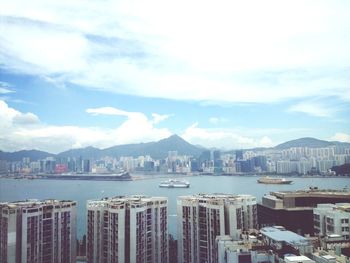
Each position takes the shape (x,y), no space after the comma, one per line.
(292,159)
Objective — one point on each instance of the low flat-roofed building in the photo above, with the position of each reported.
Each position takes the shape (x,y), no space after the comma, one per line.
(294,209)
(278,237)
(298,259)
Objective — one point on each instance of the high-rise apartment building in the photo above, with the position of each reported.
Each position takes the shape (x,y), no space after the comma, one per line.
(127,229)
(38,231)
(203,217)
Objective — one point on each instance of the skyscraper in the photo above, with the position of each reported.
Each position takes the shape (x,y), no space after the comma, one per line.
(203,217)
(127,229)
(38,231)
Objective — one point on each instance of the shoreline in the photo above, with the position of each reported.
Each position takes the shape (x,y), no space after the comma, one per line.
(137,177)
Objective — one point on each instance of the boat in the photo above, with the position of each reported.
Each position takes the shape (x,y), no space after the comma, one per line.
(270,180)
(174,183)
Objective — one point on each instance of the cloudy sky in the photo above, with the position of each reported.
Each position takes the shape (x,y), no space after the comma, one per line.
(227,74)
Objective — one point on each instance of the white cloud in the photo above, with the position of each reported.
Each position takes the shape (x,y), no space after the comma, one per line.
(341,137)
(311,109)
(25,131)
(224,139)
(317,108)
(240,54)
(112,111)
(157,118)
(216,120)
(5,88)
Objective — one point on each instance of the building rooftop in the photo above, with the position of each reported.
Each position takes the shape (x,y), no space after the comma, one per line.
(279,234)
(217,196)
(35,203)
(297,258)
(118,200)
(312,191)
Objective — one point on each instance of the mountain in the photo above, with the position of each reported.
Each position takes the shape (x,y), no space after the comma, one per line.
(34,155)
(88,152)
(308,142)
(157,150)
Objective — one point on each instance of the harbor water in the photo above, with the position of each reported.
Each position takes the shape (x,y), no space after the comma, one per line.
(81,191)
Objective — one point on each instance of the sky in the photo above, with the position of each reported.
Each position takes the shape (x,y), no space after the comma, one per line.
(224,74)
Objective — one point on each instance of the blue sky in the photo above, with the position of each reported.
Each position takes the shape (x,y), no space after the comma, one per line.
(228,74)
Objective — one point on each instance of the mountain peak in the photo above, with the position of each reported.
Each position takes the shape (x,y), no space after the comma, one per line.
(175,137)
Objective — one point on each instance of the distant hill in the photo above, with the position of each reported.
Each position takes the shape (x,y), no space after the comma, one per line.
(85,153)
(157,150)
(34,155)
(308,142)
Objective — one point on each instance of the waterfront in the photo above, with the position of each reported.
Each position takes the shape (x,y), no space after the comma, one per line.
(80,191)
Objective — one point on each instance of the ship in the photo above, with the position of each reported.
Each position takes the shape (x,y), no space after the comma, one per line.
(122,176)
(270,180)
(174,183)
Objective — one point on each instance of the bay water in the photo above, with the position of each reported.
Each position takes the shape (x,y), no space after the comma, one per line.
(81,191)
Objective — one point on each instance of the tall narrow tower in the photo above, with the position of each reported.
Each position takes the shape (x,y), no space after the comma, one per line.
(127,229)
(203,217)
(38,231)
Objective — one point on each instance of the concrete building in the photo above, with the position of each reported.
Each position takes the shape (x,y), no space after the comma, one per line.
(38,231)
(231,251)
(298,259)
(332,219)
(284,241)
(127,229)
(294,209)
(203,217)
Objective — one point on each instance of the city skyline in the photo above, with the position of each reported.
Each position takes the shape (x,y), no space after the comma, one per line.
(79,74)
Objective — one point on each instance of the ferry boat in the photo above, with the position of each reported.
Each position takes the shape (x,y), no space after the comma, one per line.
(174,183)
(270,180)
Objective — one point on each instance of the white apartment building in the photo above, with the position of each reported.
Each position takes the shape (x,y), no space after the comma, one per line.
(38,231)
(332,219)
(127,229)
(203,217)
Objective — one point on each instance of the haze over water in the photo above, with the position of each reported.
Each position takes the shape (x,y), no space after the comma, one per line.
(81,191)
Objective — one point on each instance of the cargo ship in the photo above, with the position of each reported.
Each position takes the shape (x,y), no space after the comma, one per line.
(270,180)
(123,176)
(174,183)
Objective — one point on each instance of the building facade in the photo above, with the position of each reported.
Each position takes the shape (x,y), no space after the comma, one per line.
(38,231)
(247,251)
(332,219)
(201,218)
(294,209)
(127,229)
